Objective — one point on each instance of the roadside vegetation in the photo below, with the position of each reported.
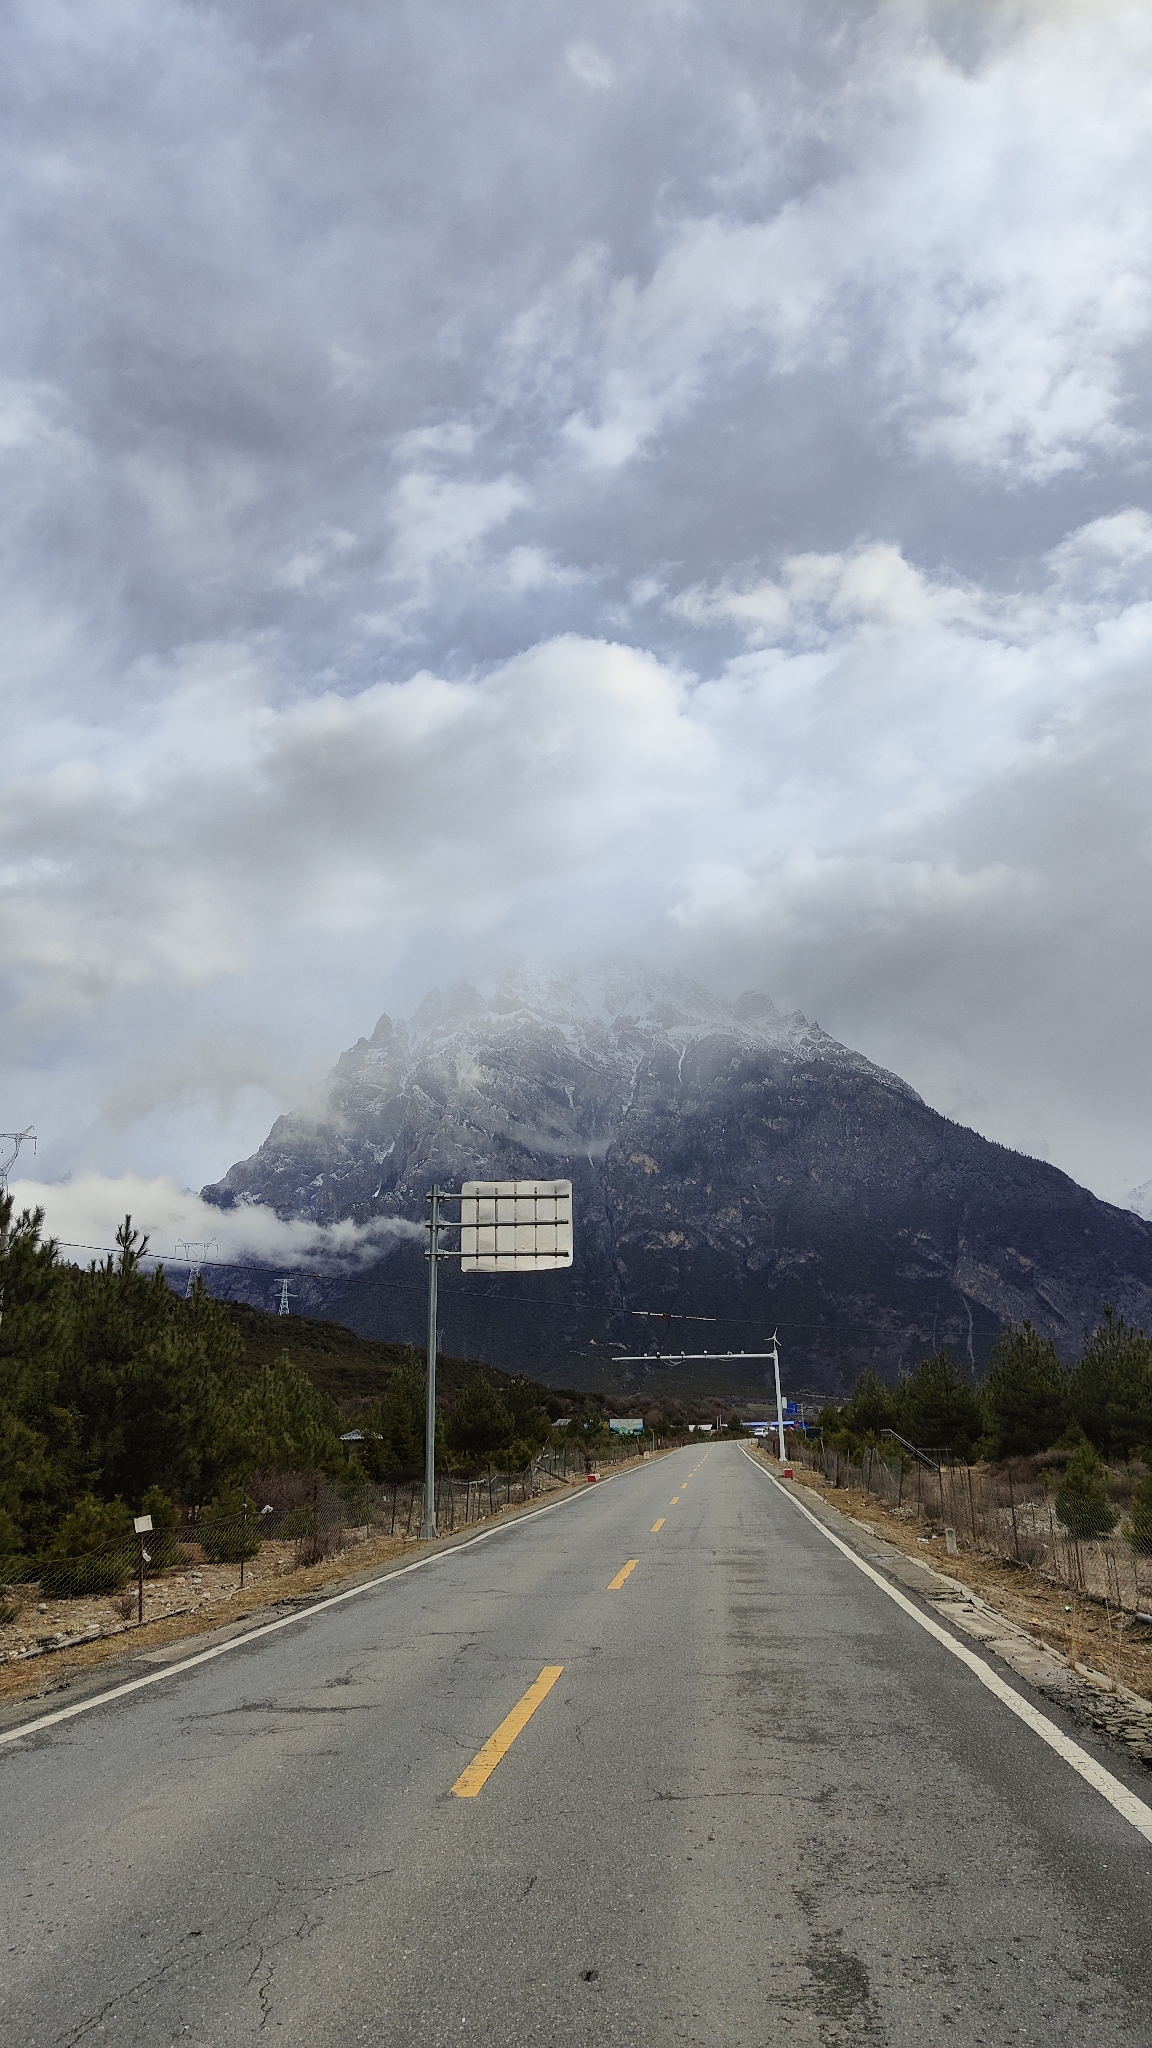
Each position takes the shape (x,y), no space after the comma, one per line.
(1085,1429)
(121,1397)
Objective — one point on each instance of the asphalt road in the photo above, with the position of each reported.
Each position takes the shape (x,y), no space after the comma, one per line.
(759,1805)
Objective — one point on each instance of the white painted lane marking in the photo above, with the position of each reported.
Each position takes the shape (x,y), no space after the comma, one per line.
(269,1628)
(1117,1794)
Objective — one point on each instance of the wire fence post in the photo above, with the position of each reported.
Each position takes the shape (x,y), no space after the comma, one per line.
(1012,1509)
(142,1524)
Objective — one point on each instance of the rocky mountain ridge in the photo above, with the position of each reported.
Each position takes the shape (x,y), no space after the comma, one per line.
(728,1162)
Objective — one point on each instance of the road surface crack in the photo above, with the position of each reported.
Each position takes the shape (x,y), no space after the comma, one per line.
(154,1976)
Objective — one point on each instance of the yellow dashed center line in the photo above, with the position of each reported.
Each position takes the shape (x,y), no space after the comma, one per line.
(471,1781)
(674,1499)
(625,1572)
(657,1526)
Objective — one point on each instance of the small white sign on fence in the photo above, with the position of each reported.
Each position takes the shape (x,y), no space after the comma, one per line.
(515,1226)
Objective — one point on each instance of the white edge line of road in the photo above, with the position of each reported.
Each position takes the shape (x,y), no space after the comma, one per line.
(1117,1794)
(269,1628)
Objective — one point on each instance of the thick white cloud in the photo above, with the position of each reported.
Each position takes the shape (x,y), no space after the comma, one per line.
(84,1212)
(986,247)
(669,479)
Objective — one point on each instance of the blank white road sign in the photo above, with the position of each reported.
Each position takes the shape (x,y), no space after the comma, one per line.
(515,1226)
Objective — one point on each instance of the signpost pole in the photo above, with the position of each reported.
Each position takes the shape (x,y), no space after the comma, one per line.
(142,1524)
(428,1526)
(779,1402)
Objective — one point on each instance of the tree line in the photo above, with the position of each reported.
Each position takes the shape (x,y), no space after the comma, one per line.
(1029,1402)
(1026,1402)
(118,1394)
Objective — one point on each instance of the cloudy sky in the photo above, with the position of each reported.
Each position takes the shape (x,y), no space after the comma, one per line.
(540,480)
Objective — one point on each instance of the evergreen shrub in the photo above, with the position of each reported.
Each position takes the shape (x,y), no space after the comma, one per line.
(229,1530)
(93,1551)
(1082,1503)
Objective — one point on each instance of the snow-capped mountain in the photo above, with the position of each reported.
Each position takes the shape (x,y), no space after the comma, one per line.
(727,1161)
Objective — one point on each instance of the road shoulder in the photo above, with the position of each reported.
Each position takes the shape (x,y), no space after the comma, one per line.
(1092,1700)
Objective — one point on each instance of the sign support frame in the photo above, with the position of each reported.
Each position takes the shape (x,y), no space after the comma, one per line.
(437,1223)
(428,1530)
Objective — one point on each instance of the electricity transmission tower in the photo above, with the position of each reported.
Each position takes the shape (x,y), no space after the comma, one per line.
(194,1256)
(285,1291)
(10,1143)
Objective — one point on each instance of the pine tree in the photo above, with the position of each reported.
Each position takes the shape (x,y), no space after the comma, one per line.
(872,1407)
(1025,1394)
(1110,1391)
(1082,1503)
(529,1420)
(393,1427)
(938,1405)
(482,1424)
(1139,1530)
(284,1423)
(42,1464)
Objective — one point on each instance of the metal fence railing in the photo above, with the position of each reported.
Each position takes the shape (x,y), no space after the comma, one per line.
(1005,1513)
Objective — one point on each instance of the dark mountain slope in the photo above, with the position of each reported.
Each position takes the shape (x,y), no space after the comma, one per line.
(346,1367)
(727,1162)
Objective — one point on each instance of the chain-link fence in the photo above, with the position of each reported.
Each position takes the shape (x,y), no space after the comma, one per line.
(1008,1513)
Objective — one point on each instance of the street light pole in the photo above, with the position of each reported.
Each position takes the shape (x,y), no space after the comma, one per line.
(428,1526)
(779,1402)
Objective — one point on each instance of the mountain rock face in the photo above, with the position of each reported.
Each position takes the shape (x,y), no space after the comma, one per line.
(727,1162)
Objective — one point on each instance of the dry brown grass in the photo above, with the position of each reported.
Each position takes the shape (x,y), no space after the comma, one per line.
(29,1678)
(1082,1630)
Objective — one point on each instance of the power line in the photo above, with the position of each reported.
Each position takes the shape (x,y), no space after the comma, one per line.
(69,1244)
(273,1273)
(692,1357)
(406,1286)
(664,1315)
